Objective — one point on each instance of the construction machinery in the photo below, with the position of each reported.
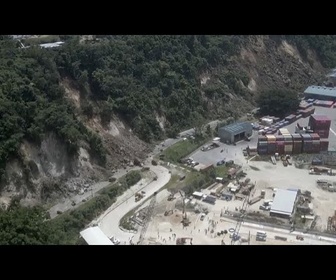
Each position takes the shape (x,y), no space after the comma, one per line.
(183,240)
(235,235)
(171,197)
(138,196)
(147,219)
(185,219)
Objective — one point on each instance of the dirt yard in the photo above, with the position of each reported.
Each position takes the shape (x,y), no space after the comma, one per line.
(165,230)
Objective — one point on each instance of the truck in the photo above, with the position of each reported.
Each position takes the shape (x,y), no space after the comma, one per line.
(273,160)
(254,200)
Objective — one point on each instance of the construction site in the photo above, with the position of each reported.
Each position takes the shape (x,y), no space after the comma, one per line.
(247,211)
(278,198)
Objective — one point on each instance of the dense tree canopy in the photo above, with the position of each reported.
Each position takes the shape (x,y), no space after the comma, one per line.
(142,76)
(278,102)
(323,45)
(32,103)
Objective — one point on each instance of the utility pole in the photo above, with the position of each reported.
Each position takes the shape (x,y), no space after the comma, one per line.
(249,238)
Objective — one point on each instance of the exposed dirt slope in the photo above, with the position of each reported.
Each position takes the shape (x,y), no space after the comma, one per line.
(46,174)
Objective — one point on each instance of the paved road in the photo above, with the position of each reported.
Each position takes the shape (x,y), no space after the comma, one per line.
(109,221)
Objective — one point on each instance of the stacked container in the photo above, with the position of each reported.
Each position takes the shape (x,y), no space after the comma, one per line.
(283,131)
(288,143)
(316,142)
(297,143)
(262,147)
(324,145)
(307,112)
(290,118)
(320,124)
(280,144)
(307,144)
(271,144)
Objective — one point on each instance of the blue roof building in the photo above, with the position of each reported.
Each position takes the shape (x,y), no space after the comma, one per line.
(320,93)
(235,132)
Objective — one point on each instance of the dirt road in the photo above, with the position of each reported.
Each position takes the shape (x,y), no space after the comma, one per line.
(109,221)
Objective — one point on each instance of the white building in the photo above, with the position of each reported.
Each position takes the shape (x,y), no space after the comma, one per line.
(284,203)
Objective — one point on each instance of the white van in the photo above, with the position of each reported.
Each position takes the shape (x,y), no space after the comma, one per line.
(262,233)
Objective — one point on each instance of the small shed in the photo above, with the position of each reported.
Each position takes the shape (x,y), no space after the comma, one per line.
(227,196)
(210,199)
(198,195)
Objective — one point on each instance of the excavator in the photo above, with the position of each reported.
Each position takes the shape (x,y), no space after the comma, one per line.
(185,220)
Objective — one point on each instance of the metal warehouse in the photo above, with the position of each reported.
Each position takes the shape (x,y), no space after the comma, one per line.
(284,203)
(95,236)
(235,132)
(321,93)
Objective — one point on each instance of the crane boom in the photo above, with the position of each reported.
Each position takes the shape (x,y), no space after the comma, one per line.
(241,218)
(149,214)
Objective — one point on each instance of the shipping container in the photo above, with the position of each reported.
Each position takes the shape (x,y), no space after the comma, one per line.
(324,145)
(315,136)
(305,136)
(283,131)
(288,148)
(290,118)
(288,137)
(280,148)
(280,138)
(307,146)
(262,143)
(322,133)
(297,137)
(271,138)
(271,148)
(262,138)
(319,122)
(262,150)
(297,147)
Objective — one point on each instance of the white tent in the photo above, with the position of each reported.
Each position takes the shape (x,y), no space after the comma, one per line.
(95,236)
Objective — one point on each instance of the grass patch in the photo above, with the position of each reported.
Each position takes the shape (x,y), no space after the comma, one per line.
(222,171)
(182,148)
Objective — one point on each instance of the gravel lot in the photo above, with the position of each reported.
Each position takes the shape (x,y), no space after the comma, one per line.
(230,152)
(162,229)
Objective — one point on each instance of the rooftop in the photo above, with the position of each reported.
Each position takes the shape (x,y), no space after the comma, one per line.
(326,91)
(283,202)
(238,127)
(318,117)
(95,236)
(51,45)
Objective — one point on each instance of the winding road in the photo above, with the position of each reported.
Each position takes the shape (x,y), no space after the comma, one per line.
(109,220)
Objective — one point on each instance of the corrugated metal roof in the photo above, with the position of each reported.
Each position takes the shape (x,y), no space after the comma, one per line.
(318,117)
(95,236)
(326,91)
(284,201)
(52,45)
(238,127)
